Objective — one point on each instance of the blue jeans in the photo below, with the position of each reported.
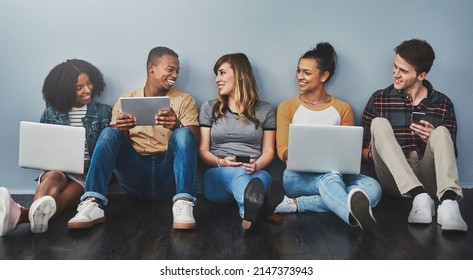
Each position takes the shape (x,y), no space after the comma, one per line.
(225,184)
(325,192)
(146,177)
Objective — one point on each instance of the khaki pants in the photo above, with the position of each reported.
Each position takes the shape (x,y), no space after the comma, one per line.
(436,171)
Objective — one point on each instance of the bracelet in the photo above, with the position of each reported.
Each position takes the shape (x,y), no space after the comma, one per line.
(218,164)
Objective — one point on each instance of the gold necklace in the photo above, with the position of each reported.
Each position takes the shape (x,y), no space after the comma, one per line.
(322,101)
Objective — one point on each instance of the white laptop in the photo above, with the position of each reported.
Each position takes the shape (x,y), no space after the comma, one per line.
(144,109)
(325,148)
(52,147)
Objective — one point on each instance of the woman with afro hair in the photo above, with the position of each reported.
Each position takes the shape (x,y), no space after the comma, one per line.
(68,90)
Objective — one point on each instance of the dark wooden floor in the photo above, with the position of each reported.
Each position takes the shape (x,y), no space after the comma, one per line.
(142,230)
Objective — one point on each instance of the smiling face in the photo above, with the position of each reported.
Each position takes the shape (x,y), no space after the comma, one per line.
(308,75)
(164,72)
(405,76)
(225,79)
(84,89)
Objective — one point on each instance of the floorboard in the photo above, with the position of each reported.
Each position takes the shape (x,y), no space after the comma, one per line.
(137,230)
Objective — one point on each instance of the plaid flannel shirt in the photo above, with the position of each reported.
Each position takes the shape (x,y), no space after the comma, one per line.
(396,106)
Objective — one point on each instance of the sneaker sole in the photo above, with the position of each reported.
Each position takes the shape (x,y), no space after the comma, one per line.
(4,210)
(81,225)
(253,201)
(419,220)
(274,219)
(184,225)
(453,228)
(360,208)
(40,212)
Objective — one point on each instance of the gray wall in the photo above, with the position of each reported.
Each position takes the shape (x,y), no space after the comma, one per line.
(117,35)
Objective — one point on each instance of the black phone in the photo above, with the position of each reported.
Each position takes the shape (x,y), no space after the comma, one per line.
(416,117)
(241,158)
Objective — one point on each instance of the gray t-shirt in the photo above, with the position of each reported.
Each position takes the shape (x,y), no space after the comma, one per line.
(230,136)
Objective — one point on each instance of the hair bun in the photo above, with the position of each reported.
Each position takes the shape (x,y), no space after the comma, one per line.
(325,48)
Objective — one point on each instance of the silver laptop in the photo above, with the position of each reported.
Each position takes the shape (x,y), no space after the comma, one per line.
(52,147)
(325,148)
(144,109)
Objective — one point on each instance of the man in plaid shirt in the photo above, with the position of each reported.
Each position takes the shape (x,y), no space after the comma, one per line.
(415,159)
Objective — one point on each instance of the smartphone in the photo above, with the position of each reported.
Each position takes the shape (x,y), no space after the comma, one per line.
(241,158)
(416,117)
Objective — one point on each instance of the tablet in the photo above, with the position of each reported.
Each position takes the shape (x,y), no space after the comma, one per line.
(144,109)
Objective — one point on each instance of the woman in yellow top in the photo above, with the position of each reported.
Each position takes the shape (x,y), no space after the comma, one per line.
(351,197)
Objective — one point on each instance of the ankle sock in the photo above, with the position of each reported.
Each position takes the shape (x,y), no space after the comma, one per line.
(96,200)
(416,191)
(287,205)
(448,195)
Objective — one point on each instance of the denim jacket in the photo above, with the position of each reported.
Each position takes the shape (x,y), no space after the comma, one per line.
(97,118)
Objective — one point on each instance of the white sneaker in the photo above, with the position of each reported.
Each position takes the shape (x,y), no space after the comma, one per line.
(10,212)
(449,216)
(41,211)
(88,215)
(359,206)
(287,205)
(183,216)
(422,209)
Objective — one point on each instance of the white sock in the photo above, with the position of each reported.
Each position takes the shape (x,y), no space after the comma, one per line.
(286,206)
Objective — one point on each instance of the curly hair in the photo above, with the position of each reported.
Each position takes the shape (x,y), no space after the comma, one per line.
(246,90)
(59,87)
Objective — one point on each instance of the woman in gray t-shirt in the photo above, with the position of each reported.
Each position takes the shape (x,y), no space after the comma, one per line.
(238,141)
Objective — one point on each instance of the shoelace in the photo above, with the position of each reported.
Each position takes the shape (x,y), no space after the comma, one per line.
(184,209)
(87,205)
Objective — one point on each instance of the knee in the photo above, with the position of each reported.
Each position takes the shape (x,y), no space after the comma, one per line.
(110,138)
(332,177)
(109,134)
(265,177)
(380,125)
(51,183)
(53,176)
(182,136)
(329,181)
(440,132)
